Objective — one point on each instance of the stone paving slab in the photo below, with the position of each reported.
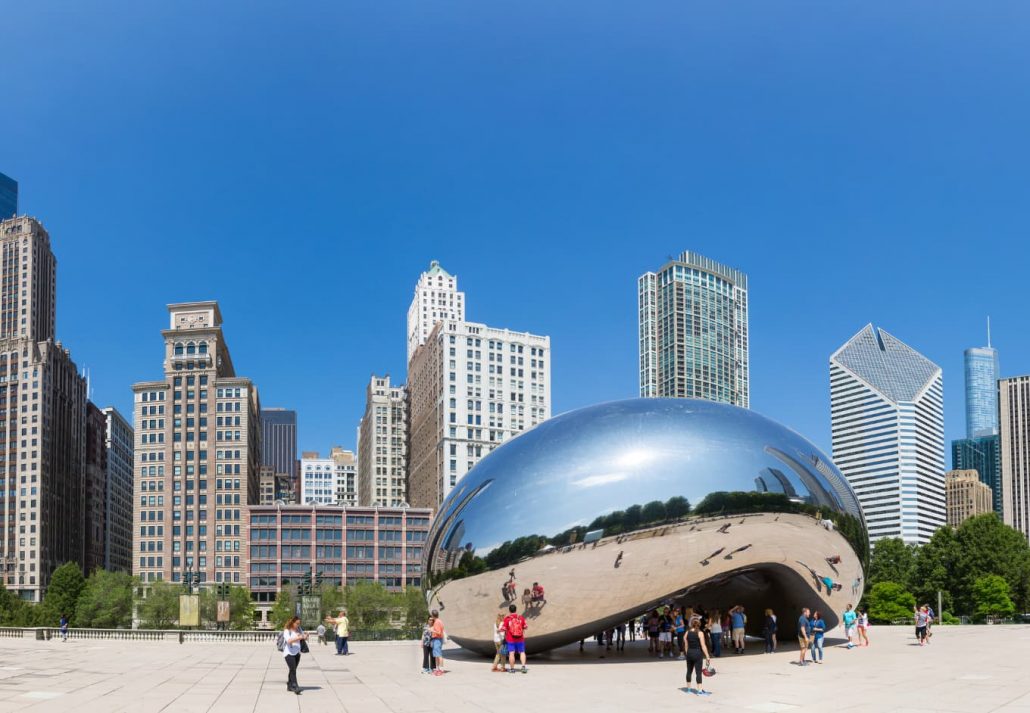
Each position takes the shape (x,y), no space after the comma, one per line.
(966,670)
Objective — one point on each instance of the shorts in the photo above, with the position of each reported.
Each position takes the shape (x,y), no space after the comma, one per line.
(653,634)
(516,647)
(437,647)
(920,632)
(665,636)
(803,642)
(850,631)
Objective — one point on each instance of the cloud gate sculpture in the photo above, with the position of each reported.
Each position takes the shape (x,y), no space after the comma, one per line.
(616,508)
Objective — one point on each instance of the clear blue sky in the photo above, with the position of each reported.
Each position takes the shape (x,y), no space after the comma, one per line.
(301,163)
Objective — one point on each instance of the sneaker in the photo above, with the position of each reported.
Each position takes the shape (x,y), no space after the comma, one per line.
(426,670)
(704,693)
(437,672)
(525,670)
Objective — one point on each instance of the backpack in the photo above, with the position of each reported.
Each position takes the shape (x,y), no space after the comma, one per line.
(515,626)
(427,637)
(280,641)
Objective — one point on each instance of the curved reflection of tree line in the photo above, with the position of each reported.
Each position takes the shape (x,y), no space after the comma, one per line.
(654,514)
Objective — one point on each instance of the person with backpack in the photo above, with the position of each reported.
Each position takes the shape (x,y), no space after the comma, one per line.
(515,637)
(289,642)
(64,627)
(427,645)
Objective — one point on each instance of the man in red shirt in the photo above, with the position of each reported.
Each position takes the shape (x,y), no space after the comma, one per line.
(515,637)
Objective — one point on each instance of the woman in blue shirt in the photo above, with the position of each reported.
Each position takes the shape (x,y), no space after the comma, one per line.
(818,630)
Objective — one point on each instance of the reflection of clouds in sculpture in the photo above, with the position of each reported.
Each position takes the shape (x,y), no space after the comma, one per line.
(628,469)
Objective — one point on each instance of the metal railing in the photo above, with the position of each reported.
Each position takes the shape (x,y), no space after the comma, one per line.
(194,635)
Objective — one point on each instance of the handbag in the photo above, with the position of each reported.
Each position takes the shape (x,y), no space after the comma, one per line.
(304,646)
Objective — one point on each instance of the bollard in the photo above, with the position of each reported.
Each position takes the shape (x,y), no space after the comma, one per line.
(181,637)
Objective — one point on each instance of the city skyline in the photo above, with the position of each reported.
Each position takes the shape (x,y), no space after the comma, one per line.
(566,208)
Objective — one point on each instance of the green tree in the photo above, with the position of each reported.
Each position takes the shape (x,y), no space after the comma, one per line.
(653,511)
(282,610)
(106,600)
(62,595)
(935,569)
(368,604)
(241,609)
(892,561)
(15,611)
(889,601)
(632,518)
(160,607)
(676,507)
(413,602)
(331,597)
(988,546)
(991,595)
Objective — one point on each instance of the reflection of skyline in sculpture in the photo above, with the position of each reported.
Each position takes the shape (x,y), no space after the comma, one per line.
(684,472)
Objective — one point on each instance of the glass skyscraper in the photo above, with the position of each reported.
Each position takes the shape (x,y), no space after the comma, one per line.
(980,450)
(8,197)
(981,391)
(887,422)
(984,456)
(693,331)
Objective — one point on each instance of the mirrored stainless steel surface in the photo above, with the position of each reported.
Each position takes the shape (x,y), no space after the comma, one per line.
(615,508)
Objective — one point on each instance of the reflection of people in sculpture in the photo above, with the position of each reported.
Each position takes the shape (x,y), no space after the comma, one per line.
(527,600)
(833,560)
(538,595)
(739,549)
(705,562)
(725,528)
(508,589)
(618,560)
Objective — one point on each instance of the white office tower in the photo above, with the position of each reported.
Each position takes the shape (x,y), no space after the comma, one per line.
(436,299)
(887,416)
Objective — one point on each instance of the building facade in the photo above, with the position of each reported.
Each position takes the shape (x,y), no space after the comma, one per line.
(94,510)
(693,319)
(436,298)
(887,420)
(317,479)
(346,465)
(118,524)
(42,419)
(1014,422)
(344,545)
(197,456)
(8,197)
(983,455)
(383,445)
(471,387)
(966,496)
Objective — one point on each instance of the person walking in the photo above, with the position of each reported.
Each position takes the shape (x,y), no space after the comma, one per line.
(804,627)
(437,635)
(499,648)
(769,629)
(620,637)
(737,624)
(920,617)
(64,627)
(818,630)
(515,638)
(292,638)
(716,631)
(697,656)
(342,624)
(849,617)
(863,628)
(321,634)
(427,645)
(652,633)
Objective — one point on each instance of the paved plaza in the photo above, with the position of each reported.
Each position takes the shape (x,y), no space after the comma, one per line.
(965,669)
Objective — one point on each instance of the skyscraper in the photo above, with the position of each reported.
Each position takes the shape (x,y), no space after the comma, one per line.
(982,374)
(1014,412)
(279,439)
(470,388)
(436,298)
(983,455)
(383,445)
(94,502)
(887,416)
(43,401)
(198,433)
(118,524)
(346,464)
(8,197)
(694,331)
